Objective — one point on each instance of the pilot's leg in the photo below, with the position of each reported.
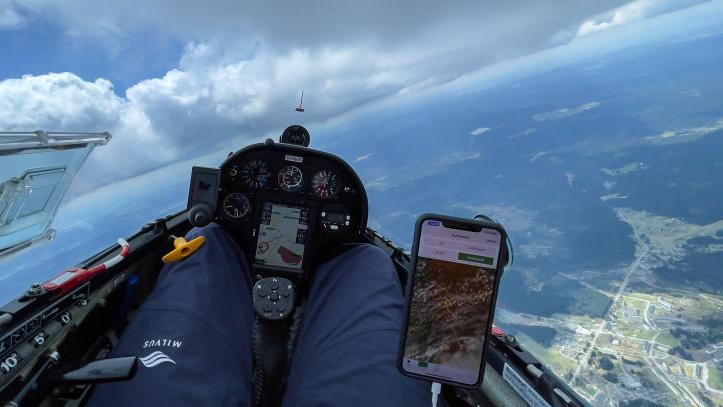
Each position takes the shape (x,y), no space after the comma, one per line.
(193,334)
(346,353)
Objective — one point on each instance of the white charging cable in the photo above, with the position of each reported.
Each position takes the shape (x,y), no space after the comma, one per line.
(436,389)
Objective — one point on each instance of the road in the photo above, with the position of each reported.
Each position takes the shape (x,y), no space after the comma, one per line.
(660,372)
(668,369)
(631,270)
(669,380)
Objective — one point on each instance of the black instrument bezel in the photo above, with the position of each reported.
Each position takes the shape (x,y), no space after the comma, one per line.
(304,197)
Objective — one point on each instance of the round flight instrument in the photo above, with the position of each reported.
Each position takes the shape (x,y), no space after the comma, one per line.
(296,134)
(325,184)
(255,174)
(290,178)
(236,205)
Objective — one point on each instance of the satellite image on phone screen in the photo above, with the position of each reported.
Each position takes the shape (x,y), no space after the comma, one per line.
(452,294)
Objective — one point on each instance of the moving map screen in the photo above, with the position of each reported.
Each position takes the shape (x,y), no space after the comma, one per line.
(282,235)
(452,294)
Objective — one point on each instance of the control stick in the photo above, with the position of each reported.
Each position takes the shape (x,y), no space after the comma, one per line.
(203,195)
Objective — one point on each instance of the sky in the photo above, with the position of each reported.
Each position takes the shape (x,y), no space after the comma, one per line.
(172,80)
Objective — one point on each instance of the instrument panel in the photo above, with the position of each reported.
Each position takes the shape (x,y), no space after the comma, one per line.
(261,175)
(283,203)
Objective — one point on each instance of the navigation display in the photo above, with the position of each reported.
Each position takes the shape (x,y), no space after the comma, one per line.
(452,297)
(282,235)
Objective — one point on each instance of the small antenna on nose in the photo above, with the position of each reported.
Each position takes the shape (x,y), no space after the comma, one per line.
(301,102)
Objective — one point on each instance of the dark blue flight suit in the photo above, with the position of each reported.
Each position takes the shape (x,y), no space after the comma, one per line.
(193,335)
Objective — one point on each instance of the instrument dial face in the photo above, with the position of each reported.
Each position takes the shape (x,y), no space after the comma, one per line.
(296,134)
(290,178)
(325,184)
(236,205)
(255,174)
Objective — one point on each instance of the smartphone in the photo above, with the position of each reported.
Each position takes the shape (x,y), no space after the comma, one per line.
(451,295)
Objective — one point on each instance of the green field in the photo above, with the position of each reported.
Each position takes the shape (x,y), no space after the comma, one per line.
(715,378)
(550,356)
(668,340)
(585,388)
(641,334)
(634,302)
(642,296)
(689,370)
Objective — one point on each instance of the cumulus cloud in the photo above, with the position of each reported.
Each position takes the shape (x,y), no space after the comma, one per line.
(254,95)
(209,102)
(633,11)
(202,105)
(244,64)
(58,101)
(66,102)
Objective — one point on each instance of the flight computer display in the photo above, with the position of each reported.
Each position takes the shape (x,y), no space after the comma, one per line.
(282,235)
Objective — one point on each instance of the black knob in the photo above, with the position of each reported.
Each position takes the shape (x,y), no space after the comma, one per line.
(200,215)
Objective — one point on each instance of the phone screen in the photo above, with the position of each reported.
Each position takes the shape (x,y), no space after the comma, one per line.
(451,305)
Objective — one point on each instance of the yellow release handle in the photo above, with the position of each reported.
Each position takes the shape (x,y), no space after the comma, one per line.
(183,249)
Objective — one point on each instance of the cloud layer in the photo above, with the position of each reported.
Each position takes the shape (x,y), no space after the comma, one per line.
(316,23)
(244,65)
